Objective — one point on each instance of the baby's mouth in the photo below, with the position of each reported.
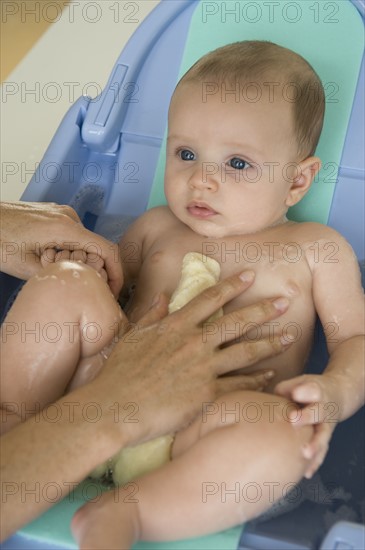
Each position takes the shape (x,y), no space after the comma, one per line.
(200,210)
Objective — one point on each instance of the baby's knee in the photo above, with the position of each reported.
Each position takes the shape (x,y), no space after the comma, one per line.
(67,271)
(70,280)
(79,290)
(236,408)
(51,285)
(241,411)
(88,294)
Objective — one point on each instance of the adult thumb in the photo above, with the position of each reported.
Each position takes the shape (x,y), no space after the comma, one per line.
(157,311)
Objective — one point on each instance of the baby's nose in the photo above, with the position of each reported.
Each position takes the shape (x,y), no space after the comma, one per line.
(205,176)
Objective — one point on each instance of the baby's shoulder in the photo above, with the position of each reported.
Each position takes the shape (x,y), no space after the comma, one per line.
(155,222)
(310,232)
(154,218)
(161,213)
(320,241)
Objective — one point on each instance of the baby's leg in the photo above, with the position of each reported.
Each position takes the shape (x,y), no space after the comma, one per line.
(62,315)
(229,466)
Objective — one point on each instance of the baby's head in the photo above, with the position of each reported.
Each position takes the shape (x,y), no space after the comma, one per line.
(246,118)
(258,68)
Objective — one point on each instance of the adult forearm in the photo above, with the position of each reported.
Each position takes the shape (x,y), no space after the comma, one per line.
(57,448)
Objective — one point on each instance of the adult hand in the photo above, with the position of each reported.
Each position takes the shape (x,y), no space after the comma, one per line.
(172,366)
(156,380)
(35,233)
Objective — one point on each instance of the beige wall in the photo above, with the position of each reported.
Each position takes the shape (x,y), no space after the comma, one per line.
(21,25)
(47,65)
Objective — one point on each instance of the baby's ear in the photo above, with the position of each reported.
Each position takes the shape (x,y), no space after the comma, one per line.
(305,172)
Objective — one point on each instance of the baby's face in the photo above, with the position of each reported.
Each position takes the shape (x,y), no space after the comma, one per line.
(229,164)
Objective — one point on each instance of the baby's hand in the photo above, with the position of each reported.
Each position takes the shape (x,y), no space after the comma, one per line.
(52,255)
(317,395)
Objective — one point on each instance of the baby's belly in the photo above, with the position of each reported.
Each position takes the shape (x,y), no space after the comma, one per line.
(161,273)
(296,324)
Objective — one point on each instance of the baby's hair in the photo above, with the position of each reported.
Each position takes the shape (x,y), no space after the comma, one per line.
(265,62)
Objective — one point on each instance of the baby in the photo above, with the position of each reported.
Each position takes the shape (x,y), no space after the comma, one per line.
(233,168)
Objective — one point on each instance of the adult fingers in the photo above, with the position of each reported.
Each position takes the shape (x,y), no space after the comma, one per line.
(103,274)
(62,255)
(96,262)
(48,256)
(157,311)
(76,236)
(113,267)
(244,354)
(237,323)
(256,381)
(62,210)
(212,299)
(96,246)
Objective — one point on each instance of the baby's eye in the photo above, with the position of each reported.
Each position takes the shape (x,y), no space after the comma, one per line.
(238,164)
(185,154)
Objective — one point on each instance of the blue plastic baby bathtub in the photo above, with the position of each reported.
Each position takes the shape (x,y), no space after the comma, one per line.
(107,159)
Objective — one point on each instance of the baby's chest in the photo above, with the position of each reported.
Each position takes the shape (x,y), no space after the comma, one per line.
(280,269)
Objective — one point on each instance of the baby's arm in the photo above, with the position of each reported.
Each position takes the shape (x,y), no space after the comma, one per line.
(137,240)
(339,392)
